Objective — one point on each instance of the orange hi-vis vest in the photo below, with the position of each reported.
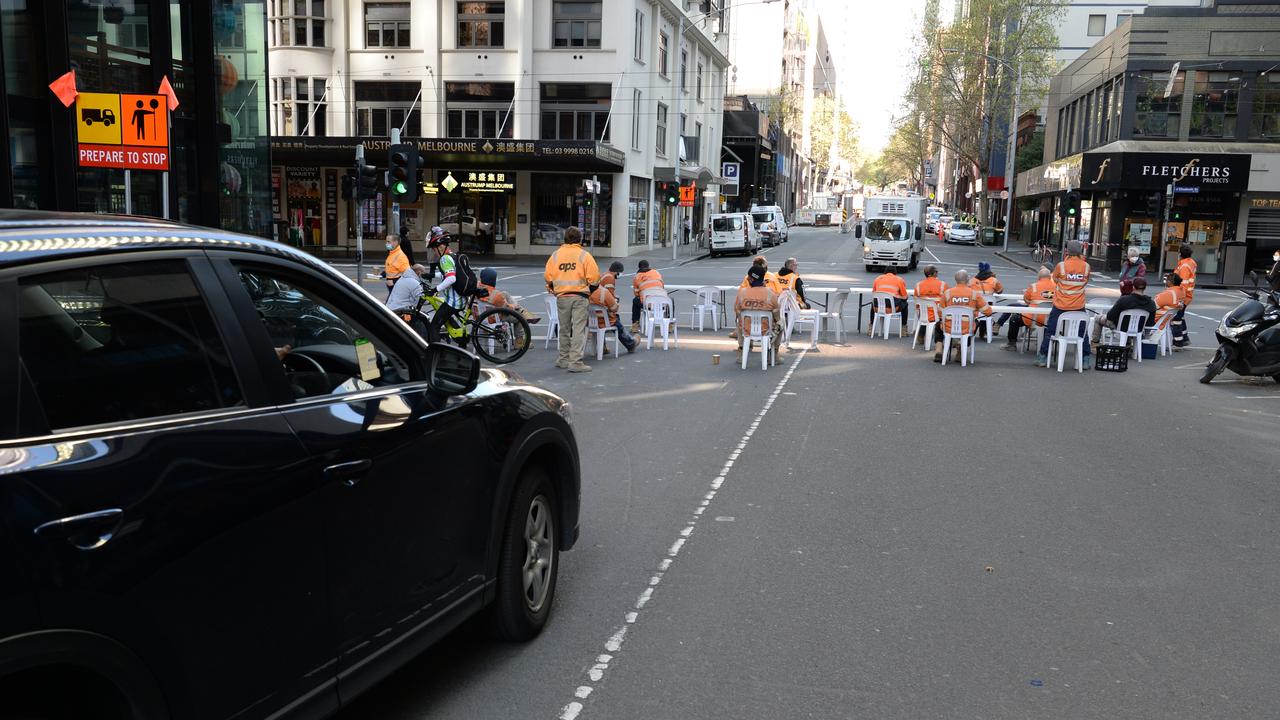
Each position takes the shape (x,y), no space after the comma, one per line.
(965,296)
(1070,278)
(397,263)
(603,296)
(494,297)
(755,298)
(990,286)
(571,271)
(647,280)
(892,284)
(1186,270)
(1170,300)
(931,288)
(1037,292)
(788,281)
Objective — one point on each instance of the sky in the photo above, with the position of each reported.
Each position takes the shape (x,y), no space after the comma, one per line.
(873,45)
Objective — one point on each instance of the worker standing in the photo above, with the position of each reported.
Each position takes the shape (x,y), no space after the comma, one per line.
(570,274)
(1070,277)
(1186,270)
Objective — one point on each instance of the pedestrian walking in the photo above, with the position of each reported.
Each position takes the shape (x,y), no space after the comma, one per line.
(570,274)
(396,263)
(1131,269)
(1070,277)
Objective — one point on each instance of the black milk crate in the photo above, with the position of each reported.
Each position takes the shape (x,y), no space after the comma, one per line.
(1111,358)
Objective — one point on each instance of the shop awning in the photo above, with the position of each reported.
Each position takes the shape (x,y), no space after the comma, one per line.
(703,175)
(457,154)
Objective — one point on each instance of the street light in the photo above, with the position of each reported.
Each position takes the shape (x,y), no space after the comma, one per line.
(1013,137)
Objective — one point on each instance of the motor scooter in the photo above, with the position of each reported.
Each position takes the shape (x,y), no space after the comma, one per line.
(1249,336)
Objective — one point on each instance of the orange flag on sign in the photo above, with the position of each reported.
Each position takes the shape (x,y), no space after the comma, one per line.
(65,88)
(167,90)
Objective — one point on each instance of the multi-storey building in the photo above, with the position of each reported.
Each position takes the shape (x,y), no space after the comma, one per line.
(1181,96)
(512,105)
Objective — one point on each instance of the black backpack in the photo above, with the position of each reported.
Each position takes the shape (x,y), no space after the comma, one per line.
(465,282)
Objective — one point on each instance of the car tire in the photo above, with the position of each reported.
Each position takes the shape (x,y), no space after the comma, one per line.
(530,549)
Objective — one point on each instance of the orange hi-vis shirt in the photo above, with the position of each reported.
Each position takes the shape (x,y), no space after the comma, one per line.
(494,297)
(1186,270)
(755,298)
(965,296)
(571,271)
(647,280)
(770,281)
(604,297)
(990,286)
(1070,278)
(786,282)
(932,289)
(397,263)
(1170,300)
(1040,291)
(892,284)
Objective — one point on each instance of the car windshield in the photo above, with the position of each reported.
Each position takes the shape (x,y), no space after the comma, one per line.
(762,217)
(961,226)
(725,224)
(886,229)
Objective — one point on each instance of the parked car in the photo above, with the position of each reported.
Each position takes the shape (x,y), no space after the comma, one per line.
(770,222)
(943,222)
(548,234)
(961,232)
(209,511)
(931,222)
(734,232)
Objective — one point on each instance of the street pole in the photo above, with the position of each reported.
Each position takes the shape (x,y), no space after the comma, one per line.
(595,200)
(395,206)
(359,218)
(1164,228)
(680,85)
(1008,163)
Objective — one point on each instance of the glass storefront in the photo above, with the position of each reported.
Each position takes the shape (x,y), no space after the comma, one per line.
(477,207)
(240,74)
(638,212)
(559,202)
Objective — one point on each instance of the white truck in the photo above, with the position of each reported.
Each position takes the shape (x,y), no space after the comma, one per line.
(891,231)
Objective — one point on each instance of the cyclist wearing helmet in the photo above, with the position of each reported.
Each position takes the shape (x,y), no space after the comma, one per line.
(452,302)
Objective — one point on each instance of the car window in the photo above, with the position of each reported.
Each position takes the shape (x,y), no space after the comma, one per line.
(726,224)
(762,217)
(961,226)
(324,351)
(122,342)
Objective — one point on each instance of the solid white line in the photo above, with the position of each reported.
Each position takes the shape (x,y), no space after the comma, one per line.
(935,257)
(600,667)
(1258,397)
(1202,317)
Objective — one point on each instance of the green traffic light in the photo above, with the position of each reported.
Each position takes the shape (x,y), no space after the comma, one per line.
(399,188)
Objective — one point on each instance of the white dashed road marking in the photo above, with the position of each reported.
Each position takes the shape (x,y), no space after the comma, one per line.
(597,670)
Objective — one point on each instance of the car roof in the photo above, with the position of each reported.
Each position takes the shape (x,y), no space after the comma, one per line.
(31,235)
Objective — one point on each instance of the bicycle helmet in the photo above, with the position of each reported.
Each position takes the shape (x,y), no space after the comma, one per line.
(438,237)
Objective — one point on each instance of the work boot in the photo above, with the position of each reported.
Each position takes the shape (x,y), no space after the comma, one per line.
(632,347)
(1042,360)
(529,317)
(733,334)
(561,364)
(937,357)
(1088,362)
(579,368)
(635,328)
(1010,346)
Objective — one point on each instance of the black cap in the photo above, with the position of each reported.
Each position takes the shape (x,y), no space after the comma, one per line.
(615,267)
(643,265)
(756,275)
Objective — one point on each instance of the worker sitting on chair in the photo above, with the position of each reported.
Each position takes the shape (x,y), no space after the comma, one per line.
(646,280)
(962,295)
(890,283)
(930,288)
(757,296)
(1037,292)
(789,279)
(501,298)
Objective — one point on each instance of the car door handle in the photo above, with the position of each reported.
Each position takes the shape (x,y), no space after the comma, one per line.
(349,473)
(89,531)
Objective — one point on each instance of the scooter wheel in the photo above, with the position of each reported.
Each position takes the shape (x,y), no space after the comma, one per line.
(1216,366)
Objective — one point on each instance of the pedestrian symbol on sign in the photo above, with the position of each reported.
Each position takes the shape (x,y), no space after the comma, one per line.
(140,115)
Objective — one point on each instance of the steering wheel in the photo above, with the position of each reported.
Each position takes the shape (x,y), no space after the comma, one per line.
(314,364)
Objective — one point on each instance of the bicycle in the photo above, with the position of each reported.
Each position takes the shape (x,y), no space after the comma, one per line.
(499,335)
(1043,255)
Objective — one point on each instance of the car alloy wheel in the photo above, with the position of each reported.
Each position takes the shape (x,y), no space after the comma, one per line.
(538,564)
(528,559)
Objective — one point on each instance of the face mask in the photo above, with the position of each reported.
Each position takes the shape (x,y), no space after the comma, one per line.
(1276,257)
(391,246)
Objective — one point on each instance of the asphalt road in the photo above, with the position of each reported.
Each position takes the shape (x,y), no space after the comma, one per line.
(861,533)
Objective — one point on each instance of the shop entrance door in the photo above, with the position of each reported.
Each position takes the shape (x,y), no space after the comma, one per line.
(476,220)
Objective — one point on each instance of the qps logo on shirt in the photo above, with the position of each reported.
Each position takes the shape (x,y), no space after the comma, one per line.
(568,266)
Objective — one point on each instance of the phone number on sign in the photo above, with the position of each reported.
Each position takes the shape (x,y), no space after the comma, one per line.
(568,151)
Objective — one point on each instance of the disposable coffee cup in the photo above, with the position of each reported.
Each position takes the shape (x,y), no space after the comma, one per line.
(715,359)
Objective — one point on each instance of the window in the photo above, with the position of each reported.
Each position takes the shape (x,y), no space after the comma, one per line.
(1266,107)
(575,24)
(298,22)
(638,212)
(1157,116)
(695,153)
(478,109)
(480,24)
(697,79)
(381,106)
(386,25)
(684,70)
(575,111)
(636,127)
(122,342)
(662,54)
(662,129)
(1214,105)
(1097,25)
(325,345)
(299,106)
(1123,18)
(639,49)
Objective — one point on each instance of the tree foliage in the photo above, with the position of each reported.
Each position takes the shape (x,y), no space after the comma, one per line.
(1031,154)
(831,128)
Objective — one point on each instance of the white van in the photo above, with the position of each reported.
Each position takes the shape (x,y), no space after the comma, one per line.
(770,223)
(734,232)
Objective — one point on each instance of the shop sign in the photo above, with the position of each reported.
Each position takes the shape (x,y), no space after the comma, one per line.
(331,204)
(1155,171)
(478,181)
(303,182)
(688,195)
(126,132)
(1265,203)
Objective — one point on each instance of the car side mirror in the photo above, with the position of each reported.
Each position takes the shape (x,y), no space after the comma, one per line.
(919,233)
(451,370)
(857,231)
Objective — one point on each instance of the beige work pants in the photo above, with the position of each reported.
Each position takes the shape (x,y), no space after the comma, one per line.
(573,327)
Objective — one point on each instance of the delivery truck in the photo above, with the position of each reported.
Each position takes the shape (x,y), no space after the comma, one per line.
(891,231)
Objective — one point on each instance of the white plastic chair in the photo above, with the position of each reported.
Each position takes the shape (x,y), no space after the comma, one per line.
(925,308)
(1131,325)
(834,314)
(553,320)
(596,316)
(1159,335)
(796,316)
(955,320)
(644,297)
(884,313)
(757,321)
(989,320)
(659,313)
(708,302)
(1071,331)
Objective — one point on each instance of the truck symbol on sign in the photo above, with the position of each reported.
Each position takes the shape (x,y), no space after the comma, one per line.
(102,115)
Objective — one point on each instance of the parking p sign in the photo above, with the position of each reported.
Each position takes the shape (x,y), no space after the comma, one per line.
(730,171)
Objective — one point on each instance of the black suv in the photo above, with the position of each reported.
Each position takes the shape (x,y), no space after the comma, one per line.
(232,484)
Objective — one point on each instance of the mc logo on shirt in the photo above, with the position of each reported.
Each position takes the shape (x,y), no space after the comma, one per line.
(1075,276)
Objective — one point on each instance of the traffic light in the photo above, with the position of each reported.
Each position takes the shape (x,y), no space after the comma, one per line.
(1153,206)
(348,186)
(367,185)
(1176,214)
(403,172)
(671,194)
(1070,206)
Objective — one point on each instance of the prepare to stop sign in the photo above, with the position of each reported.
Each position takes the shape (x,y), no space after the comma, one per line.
(126,131)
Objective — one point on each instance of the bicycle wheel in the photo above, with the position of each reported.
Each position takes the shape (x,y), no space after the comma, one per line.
(419,322)
(500,335)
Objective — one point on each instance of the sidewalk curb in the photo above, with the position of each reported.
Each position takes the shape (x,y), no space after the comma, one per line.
(1019,263)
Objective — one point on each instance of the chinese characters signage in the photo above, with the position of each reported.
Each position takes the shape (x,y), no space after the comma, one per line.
(481,181)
